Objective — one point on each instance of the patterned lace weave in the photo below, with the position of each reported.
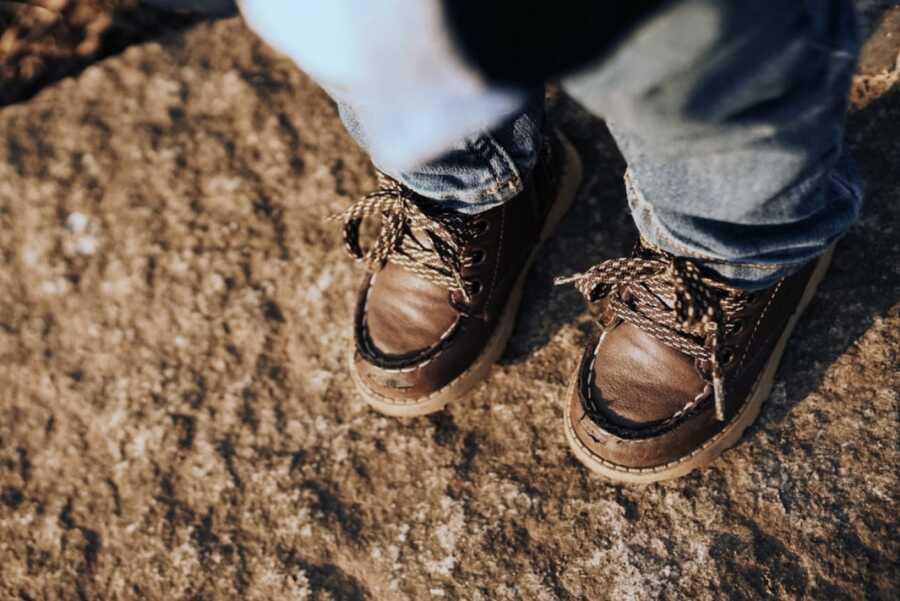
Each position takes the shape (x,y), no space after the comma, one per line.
(422,239)
(669,298)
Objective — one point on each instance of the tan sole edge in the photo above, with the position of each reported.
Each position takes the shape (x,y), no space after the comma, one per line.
(725,439)
(466,382)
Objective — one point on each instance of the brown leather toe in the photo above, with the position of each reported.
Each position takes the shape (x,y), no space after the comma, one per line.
(406,315)
(628,442)
(661,391)
(638,380)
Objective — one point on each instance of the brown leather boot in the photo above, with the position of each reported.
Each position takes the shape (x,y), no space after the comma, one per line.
(440,304)
(681,367)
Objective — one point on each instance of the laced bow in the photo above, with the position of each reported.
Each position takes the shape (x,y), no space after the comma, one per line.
(423,240)
(669,298)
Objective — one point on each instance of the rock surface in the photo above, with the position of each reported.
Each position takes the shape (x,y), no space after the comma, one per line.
(176,421)
(42,41)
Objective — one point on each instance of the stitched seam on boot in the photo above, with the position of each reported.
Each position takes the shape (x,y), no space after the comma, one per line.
(441,342)
(622,468)
(758,322)
(647,432)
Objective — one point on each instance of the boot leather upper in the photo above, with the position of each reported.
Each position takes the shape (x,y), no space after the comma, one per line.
(414,337)
(651,404)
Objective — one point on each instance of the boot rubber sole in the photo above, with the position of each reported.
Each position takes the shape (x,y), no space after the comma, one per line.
(467,381)
(723,440)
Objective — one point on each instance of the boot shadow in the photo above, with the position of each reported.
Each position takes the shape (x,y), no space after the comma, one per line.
(597,227)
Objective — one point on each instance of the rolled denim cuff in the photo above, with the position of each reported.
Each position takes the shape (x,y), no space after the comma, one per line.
(754,256)
(478,172)
(479,175)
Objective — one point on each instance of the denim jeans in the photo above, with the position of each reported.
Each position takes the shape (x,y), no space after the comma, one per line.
(729,113)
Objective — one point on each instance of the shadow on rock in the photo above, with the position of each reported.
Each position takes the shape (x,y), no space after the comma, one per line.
(597,227)
(863,283)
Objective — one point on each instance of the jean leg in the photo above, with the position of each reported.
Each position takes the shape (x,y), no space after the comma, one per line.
(730,114)
(475,173)
(407,96)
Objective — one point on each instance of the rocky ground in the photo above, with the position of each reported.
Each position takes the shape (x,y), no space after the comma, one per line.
(42,41)
(176,423)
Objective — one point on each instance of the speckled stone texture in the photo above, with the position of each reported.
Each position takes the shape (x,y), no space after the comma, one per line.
(176,421)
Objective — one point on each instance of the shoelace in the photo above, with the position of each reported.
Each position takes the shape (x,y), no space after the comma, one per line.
(440,262)
(695,319)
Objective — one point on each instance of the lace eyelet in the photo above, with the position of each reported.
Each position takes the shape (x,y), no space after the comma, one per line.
(480,227)
(475,287)
(477,257)
(727,357)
